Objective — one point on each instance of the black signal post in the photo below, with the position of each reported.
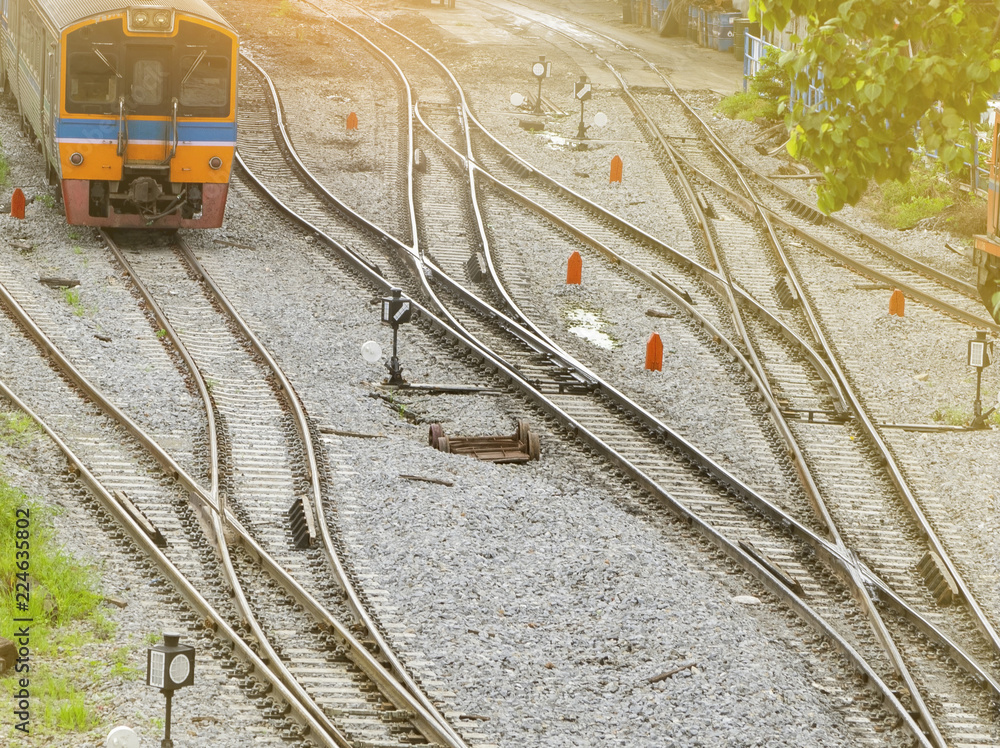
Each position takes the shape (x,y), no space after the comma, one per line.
(540,70)
(169,666)
(396,310)
(582,90)
(980,356)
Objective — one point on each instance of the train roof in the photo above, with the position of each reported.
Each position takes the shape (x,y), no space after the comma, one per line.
(64,13)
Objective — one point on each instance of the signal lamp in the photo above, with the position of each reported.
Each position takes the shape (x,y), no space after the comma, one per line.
(76,158)
(215,162)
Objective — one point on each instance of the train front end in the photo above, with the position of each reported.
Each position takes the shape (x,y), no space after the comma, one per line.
(147,124)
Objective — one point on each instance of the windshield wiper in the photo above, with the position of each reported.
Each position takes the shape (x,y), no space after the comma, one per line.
(201,56)
(107,62)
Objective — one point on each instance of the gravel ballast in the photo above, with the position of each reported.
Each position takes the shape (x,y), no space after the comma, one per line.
(542,597)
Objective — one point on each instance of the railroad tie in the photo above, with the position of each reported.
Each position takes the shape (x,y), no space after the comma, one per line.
(937,578)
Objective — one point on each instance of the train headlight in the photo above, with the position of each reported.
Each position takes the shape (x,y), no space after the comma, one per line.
(150,20)
(215,162)
(76,158)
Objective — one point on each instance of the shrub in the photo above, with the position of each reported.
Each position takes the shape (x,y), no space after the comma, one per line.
(766,90)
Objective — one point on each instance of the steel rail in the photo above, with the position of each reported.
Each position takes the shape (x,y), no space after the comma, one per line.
(864,595)
(423,269)
(897,663)
(730,548)
(821,546)
(868,426)
(409,254)
(315,728)
(914,264)
(218,517)
(871,430)
(917,266)
(750,368)
(425,720)
(709,276)
(759,376)
(947,644)
(754,205)
(811,488)
(437,728)
(394,692)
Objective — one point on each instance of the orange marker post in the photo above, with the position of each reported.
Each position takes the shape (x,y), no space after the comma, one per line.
(352,121)
(654,353)
(574,270)
(616,169)
(17,204)
(896,303)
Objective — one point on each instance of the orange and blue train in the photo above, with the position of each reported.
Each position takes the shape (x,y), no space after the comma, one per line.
(132,106)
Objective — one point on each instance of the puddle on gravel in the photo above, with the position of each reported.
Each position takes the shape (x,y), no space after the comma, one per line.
(587,325)
(558,142)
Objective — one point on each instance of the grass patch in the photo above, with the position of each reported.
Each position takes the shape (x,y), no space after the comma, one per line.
(902,205)
(47,200)
(17,428)
(746,105)
(955,416)
(63,605)
(120,667)
(4,170)
(952,416)
(72,297)
(927,201)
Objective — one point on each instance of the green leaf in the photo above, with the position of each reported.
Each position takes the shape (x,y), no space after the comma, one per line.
(873,91)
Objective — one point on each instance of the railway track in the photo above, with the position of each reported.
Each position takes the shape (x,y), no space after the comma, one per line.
(269,471)
(573,387)
(107,453)
(834,456)
(339,693)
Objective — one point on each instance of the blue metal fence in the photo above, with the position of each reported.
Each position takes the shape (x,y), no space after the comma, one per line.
(755,52)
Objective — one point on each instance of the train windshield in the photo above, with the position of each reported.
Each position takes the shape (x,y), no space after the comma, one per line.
(206,83)
(93,79)
(148,71)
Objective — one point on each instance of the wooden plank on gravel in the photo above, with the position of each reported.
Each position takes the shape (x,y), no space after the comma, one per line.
(436,481)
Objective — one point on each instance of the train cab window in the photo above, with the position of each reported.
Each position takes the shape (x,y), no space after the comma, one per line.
(206,82)
(92,79)
(148,82)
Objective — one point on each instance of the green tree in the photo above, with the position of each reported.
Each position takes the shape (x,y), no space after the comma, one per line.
(887,65)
